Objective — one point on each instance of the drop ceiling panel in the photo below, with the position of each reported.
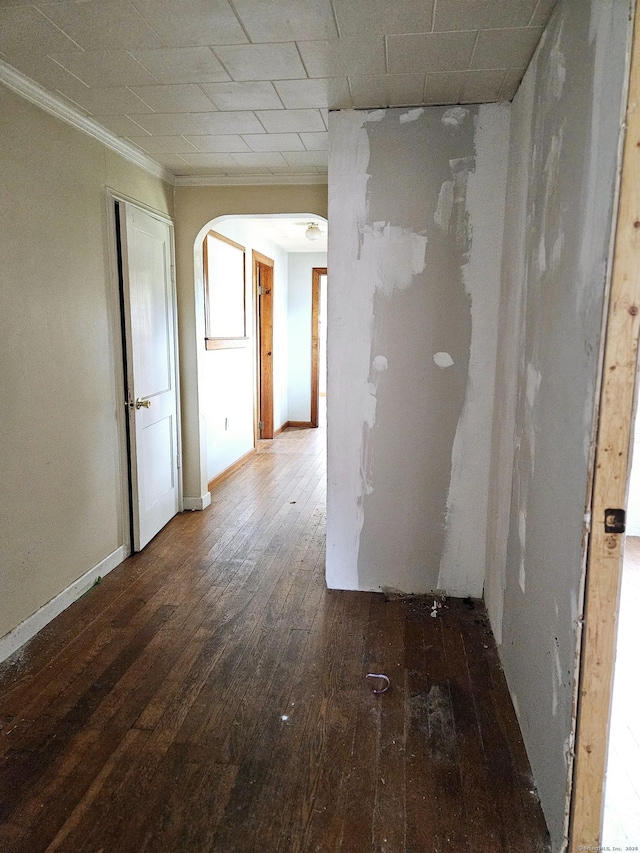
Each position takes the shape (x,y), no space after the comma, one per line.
(233,87)
(261,61)
(179,98)
(482,14)
(287,20)
(105,25)
(222,144)
(505,48)
(105,68)
(290,121)
(330,92)
(230,122)
(315,141)
(163,144)
(23,29)
(244,96)
(381,17)
(343,57)
(182,65)
(390,90)
(274,142)
(116,100)
(414,54)
(170,124)
(192,22)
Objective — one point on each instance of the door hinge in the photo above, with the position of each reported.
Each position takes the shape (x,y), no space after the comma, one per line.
(260,424)
(260,290)
(178,461)
(614,521)
(173,274)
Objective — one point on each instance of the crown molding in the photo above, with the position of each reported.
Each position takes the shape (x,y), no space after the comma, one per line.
(55,106)
(247,180)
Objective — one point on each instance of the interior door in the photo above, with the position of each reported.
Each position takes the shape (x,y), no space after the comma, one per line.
(149,327)
(263,274)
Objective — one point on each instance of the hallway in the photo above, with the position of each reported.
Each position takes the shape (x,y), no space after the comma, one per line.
(211,695)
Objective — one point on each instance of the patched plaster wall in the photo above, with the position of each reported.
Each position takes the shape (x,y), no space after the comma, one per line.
(565,125)
(416,204)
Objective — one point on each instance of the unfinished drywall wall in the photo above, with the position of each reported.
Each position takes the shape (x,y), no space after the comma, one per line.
(194,208)
(301,266)
(565,126)
(416,200)
(62,502)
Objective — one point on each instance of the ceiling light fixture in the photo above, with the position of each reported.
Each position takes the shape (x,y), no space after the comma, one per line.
(313,232)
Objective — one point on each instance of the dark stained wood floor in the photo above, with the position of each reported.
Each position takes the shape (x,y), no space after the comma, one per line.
(211,695)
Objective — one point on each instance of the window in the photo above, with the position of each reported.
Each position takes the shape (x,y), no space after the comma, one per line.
(225,293)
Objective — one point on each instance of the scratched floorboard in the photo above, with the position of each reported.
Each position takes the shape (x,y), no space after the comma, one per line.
(211,695)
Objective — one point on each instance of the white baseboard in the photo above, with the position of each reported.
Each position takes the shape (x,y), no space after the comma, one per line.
(12,641)
(197,503)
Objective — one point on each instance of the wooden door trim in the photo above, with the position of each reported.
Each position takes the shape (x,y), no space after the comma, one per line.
(264,371)
(611,477)
(316,272)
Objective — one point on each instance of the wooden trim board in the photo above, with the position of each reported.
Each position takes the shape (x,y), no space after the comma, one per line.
(231,469)
(315,342)
(615,432)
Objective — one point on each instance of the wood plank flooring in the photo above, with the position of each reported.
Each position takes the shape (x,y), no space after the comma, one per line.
(211,695)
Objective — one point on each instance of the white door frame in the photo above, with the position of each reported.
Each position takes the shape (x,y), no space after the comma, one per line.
(111,197)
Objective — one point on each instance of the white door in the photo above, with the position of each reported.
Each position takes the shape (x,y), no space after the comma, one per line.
(149,308)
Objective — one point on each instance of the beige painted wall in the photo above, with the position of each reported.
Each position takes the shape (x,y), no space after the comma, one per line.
(194,208)
(60,502)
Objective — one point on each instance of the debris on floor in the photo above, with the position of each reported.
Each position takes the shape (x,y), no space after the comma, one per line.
(385,679)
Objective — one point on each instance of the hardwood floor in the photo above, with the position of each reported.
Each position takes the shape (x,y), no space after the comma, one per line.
(211,695)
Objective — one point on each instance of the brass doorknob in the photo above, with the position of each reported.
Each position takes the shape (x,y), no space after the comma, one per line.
(142,404)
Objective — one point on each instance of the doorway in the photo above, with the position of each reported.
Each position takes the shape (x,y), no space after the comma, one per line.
(263,288)
(144,249)
(318,342)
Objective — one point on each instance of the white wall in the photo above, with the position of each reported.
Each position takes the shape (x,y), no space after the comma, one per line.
(62,509)
(301,265)
(562,172)
(416,206)
(228,382)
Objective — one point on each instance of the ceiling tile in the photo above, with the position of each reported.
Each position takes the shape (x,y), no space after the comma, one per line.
(212,161)
(192,22)
(482,14)
(163,144)
(221,144)
(274,142)
(182,65)
(120,125)
(116,100)
(320,92)
(510,48)
(179,98)
(444,88)
(171,124)
(315,141)
(105,68)
(387,90)
(290,121)
(261,61)
(286,20)
(244,96)
(173,162)
(542,13)
(510,85)
(229,122)
(107,25)
(48,73)
(481,86)
(263,160)
(24,28)
(430,52)
(318,159)
(380,17)
(343,57)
